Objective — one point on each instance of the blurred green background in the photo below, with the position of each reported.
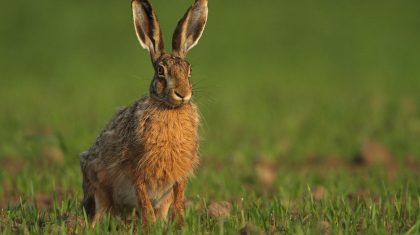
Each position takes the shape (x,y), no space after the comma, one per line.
(281,79)
(310,110)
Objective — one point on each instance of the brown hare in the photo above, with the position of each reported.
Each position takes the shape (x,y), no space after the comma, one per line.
(143,157)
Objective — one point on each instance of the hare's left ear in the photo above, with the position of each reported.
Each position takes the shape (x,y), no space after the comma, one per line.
(147,28)
(190,28)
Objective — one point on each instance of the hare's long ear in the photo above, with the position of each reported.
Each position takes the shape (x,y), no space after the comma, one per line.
(147,28)
(190,28)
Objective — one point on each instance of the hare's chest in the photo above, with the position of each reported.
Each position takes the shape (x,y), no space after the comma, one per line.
(170,144)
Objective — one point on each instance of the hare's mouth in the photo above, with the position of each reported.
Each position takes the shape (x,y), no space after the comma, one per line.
(170,102)
(176,103)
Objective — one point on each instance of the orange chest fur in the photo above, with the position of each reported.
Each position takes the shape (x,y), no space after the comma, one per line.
(169,137)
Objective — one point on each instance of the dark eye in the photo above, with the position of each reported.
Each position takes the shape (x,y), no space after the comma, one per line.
(161,71)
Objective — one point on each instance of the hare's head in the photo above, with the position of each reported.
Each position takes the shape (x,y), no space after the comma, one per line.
(170,84)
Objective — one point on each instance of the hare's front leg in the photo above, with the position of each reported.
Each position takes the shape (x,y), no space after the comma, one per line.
(178,209)
(162,211)
(146,208)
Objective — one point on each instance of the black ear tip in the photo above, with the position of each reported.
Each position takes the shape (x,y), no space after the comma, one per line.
(200,3)
(143,2)
(136,2)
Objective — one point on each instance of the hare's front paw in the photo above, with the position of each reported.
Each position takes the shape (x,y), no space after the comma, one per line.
(148,218)
(178,217)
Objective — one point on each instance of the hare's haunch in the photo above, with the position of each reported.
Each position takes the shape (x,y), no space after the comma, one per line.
(142,159)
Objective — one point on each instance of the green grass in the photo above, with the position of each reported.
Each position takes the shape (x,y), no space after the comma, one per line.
(290,94)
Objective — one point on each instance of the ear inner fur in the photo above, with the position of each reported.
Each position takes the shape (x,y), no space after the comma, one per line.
(147,28)
(190,28)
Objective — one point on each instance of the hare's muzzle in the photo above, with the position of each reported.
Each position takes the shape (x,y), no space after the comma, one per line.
(182,97)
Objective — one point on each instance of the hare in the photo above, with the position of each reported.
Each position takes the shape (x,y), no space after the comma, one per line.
(144,156)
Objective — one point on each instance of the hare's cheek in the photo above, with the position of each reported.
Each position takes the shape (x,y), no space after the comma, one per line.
(159,86)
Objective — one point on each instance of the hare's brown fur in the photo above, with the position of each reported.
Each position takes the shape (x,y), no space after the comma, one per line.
(143,157)
(146,143)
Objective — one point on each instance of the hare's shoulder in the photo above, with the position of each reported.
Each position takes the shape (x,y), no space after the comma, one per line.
(117,134)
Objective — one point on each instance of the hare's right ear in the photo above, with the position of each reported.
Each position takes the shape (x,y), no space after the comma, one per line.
(190,28)
(147,28)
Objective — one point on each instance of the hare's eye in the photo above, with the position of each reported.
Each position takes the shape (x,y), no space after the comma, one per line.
(161,71)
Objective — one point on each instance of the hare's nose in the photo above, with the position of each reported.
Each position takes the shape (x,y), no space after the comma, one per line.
(181,97)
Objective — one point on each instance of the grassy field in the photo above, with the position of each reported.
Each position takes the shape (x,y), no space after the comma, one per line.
(310,114)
